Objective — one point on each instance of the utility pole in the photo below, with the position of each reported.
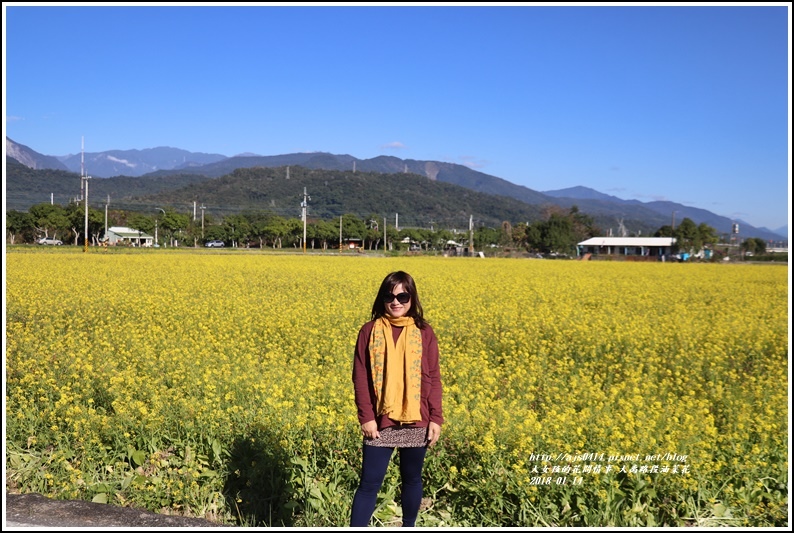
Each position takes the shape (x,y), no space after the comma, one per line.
(194,210)
(85,238)
(304,205)
(82,166)
(202,221)
(106,217)
(384,234)
(397,221)
(673,220)
(84,187)
(471,234)
(340,234)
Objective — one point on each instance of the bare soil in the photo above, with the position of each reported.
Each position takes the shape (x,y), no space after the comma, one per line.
(36,510)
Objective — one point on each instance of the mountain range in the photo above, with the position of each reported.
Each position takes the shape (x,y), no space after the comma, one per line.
(156,174)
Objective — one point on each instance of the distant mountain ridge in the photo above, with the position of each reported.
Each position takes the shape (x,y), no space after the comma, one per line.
(157,164)
(586,193)
(136,162)
(675,211)
(30,158)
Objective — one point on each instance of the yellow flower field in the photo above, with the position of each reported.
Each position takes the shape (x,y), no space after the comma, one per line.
(575,393)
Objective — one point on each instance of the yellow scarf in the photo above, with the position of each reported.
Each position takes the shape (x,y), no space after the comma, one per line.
(396,369)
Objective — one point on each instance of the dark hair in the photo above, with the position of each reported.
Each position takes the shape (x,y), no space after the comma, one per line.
(388,284)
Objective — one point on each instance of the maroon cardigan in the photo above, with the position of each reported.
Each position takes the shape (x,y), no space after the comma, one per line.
(430,406)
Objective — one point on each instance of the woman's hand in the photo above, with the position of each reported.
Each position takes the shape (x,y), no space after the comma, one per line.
(433,433)
(370,429)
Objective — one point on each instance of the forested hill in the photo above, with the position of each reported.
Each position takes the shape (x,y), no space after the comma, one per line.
(25,186)
(434,170)
(417,200)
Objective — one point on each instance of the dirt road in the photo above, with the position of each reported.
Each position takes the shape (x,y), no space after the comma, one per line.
(37,511)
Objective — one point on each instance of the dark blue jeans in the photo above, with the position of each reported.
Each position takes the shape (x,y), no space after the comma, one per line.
(373,470)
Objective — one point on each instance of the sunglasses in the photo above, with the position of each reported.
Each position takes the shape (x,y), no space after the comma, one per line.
(403,298)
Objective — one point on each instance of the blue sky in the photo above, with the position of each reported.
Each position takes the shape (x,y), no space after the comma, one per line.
(683,103)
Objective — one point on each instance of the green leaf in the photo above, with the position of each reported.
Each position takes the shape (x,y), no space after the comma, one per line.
(721,511)
(102,497)
(216,448)
(138,457)
(101,487)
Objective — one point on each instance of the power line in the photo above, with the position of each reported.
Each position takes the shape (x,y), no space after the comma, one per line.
(324,213)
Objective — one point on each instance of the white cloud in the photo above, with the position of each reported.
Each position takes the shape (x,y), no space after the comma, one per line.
(14,119)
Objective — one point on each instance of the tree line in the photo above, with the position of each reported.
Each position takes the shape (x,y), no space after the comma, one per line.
(558,231)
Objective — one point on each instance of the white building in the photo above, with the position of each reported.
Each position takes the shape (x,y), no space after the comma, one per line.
(650,247)
(119,235)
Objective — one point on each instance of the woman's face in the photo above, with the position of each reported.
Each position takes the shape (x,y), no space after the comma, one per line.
(395,308)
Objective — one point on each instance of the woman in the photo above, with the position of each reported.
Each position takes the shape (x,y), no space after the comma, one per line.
(397,385)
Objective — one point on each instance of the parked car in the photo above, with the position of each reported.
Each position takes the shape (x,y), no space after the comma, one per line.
(215,244)
(50,240)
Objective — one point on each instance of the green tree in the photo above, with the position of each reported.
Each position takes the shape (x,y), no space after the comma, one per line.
(441,238)
(373,237)
(557,234)
(374,231)
(20,225)
(322,231)
(275,230)
(687,236)
(708,236)
(96,222)
(665,231)
(294,233)
(426,237)
(584,227)
(534,236)
(353,227)
(215,232)
(258,222)
(753,246)
(485,237)
(50,219)
(237,229)
(413,234)
(142,223)
(392,238)
(193,232)
(172,225)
